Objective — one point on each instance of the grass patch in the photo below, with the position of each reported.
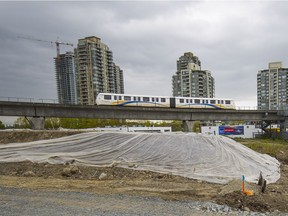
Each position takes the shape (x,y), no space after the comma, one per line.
(277,148)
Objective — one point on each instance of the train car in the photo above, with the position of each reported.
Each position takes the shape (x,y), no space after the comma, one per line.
(202,103)
(132,100)
(163,101)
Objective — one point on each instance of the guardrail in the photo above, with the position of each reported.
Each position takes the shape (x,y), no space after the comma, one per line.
(16,99)
(246,108)
(29,100)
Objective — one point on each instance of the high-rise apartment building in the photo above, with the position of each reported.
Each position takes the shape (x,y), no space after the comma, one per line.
(65,78)
(190,80)
(118,79)
(272,85)
(95,70)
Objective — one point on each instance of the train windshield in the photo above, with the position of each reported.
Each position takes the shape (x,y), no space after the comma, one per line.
(107,97)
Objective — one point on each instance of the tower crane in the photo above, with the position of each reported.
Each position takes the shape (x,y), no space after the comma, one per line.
(57,42)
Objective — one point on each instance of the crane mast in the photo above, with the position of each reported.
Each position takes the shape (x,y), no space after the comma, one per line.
(57,59)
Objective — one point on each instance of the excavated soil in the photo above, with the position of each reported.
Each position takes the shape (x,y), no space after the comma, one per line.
(115,180)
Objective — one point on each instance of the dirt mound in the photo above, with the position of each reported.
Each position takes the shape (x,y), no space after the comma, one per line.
(60,171)
(110,180)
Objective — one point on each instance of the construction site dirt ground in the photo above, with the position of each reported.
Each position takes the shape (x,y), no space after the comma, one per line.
(115,180)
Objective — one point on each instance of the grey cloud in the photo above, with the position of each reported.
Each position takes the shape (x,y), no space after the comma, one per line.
(233,40)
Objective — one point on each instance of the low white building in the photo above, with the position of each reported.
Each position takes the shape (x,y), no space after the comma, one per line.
(239,131)
(134,129)
(149,129)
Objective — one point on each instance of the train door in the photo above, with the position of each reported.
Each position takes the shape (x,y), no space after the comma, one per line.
(172,103)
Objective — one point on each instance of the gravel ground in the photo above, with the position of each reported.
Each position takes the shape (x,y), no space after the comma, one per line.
(17,201)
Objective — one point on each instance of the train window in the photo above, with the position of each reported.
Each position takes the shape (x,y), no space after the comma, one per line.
(153,99)
(197,101)
(139,98)
(120,98)
(187,100)
(222,102)
(219,102)
(157,99)
(107,97)
(191,100)
(146,99)
(163,100)
(128,98)
(212,101)
(227,102)
(181,100)
(135,98)
(115,97)
(207,101)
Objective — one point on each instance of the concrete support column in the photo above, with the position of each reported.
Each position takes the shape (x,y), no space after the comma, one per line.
(36,123)
(188,125)
(284,129)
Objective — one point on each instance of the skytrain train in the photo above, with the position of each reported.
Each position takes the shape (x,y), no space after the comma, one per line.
(111,99)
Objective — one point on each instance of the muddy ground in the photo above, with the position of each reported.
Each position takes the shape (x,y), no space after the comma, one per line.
(115,180)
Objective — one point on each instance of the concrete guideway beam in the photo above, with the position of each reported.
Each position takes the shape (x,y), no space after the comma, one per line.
(145,113)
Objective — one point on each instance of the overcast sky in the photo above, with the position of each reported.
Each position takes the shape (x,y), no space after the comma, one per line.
(233,40)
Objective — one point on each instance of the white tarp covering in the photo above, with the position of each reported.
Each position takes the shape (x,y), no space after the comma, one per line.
(205,157)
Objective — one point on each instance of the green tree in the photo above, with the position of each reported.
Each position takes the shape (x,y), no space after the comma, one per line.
(196,127)
(148,124)
(2,126)
(52,123)
(72,123)
(21,122)
(81,123)
(175,125)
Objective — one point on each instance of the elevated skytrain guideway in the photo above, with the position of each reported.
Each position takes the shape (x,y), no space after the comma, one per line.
(37,112)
